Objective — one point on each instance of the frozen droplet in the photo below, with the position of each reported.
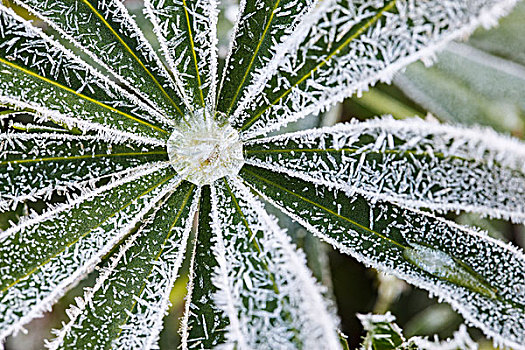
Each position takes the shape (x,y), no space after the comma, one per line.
(442,265)
(202,151)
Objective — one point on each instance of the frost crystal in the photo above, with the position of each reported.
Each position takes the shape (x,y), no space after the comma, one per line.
(202,150)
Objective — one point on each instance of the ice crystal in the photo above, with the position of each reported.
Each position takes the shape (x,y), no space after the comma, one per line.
(141,141)
(202,151)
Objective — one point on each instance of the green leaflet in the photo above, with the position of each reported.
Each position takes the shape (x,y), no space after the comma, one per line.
(187,33)
(313,60)
(259,281)
(41,258)
(417,164)
(108,34)
(48,97)
(136,277)
(33,244)
(380,234)
(33,163)
(204,324)
(44,57)
(261,24)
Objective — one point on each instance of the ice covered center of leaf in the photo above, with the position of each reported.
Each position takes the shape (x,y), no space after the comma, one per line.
(202,150)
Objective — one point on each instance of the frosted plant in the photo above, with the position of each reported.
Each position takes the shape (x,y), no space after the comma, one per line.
(140,145)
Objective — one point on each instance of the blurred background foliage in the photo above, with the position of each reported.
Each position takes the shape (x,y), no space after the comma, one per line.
(479,81)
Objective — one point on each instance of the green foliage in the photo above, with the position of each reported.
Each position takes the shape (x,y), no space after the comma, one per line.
(95,152)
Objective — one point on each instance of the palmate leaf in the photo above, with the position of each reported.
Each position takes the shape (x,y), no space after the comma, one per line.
(482,278)
(344,46)
(106,32)
(415,163)
(255,290)
(126,306)
(261,24)
(187,33)
(44,255)
(35,165)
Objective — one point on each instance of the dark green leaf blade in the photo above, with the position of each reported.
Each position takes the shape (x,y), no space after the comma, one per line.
(34,165)
(126,306)
(109,35)
(259,282)
(260,25)
(42,256)
(480,277)
(187,32)
(204,325)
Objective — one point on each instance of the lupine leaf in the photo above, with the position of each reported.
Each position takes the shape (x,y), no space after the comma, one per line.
(260,282)
(44,255)
(260,25)
(106,32)
(345,46)
(32,166)
(248,285)
(125,307)
(187,33)
(482,278)
(414,163)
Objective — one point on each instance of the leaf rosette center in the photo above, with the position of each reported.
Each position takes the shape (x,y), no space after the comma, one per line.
(202,150)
